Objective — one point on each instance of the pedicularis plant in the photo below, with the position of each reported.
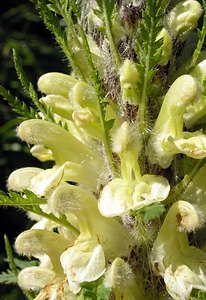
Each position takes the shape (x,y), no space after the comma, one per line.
(118,215)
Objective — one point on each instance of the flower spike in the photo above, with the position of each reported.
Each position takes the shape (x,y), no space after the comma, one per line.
(183,267)
(132,191)
(168,137)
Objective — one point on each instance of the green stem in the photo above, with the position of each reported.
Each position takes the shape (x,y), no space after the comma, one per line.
(106,138)
(10,256)
(142,115)
(201,40)
(142,111)
(52,24)
(12,265)
(115,54)
(118,295)
(62,221)
(29,295)
(71,32)
(71,59)
(101,104)
(182,185)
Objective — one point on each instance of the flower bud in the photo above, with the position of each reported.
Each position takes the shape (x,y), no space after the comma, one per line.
(183,18)
(121,279)
(35,278)
(166,46)
(126,137)
(182,266)
(196,110)
(20,179)
(165,140)
(129,79)
(119,197)
(59,105)
(68,148)
(127,144)
(82,62)
(84,95)
(119,275)
(56,84)
(83,118)
(35,242)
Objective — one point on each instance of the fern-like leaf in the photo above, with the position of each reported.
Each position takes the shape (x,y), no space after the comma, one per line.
(151,212)
(59,220)
(105,13)
(19,107)
(8,277)
(20,72)
(108,6)
(28,201)
(15,265)
(10,257)
(28,86)
(148,50)
(198,295)
(18,200)
(52,23)
(106,125)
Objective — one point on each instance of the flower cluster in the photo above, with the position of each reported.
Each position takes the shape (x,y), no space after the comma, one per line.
(107,171)
(82,252)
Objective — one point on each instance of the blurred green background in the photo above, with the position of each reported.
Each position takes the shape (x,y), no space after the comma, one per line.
(20,28)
